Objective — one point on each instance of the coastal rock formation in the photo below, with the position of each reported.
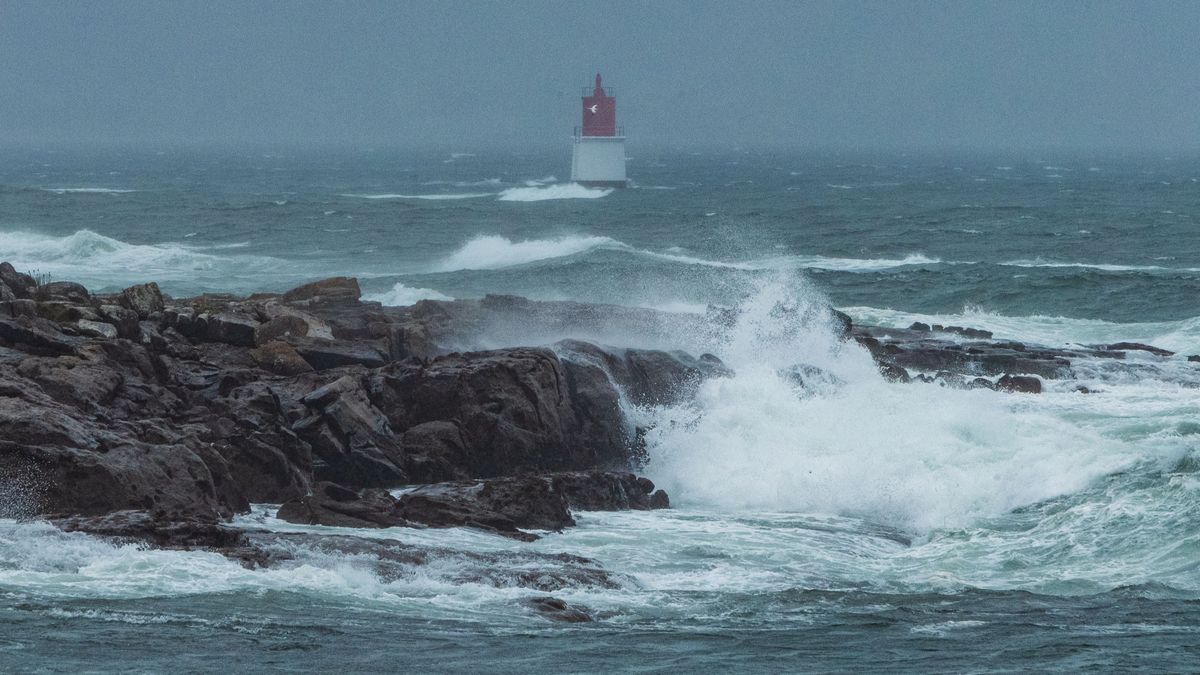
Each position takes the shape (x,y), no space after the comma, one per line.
(503,505)
(194,408)
(143,416)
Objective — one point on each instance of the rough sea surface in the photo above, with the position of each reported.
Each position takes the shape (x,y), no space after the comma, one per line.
(862,526)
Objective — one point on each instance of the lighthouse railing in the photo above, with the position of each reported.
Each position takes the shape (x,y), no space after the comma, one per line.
(577,132)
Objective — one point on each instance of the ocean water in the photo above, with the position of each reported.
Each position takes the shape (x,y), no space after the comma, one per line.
(859,525)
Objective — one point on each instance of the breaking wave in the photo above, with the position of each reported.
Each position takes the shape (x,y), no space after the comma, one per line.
(97,260)
(403,296)
(537,192)
(431,197)
(918,457)
(495,252)
(87,190)
(1038,262)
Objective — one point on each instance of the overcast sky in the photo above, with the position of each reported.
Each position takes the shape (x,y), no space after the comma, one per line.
(687,74)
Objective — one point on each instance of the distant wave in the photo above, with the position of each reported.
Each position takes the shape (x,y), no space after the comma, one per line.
(1038,262)
(87,190)
(93,258)
(494,252)
(466,183)
(403,296)
(434,197)
(538,192)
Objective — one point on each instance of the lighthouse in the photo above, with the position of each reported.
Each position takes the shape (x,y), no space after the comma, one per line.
(598,159)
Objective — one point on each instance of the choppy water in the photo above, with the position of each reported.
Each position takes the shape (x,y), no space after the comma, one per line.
(864,526)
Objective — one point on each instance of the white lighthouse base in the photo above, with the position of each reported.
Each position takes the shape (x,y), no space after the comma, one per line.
(599,161)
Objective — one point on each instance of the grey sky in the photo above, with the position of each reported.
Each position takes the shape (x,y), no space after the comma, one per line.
(876,74)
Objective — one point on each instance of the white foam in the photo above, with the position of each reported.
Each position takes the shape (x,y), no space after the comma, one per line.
(488,252)
(94,259)
(403,296)
(1038,262)
(430,197)
(912,456)
(1181,336)
(536,192)
(87,190)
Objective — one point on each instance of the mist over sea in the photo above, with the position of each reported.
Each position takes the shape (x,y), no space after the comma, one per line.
(865,525)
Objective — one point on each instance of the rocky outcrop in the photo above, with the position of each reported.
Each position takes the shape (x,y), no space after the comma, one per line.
(503,505)
(193,408)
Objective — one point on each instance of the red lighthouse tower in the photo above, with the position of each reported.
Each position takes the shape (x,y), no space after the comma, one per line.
(599,156)
(599,113)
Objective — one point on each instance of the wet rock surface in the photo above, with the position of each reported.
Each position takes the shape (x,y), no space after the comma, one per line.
(503,505)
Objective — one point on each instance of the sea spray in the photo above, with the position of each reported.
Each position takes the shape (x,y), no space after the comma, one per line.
(912,456)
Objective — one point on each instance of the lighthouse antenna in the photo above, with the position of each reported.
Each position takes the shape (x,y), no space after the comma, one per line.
(598,91)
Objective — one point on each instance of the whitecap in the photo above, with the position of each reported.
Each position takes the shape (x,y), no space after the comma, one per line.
(432,197)
(403,296)
(538,192)
(487,252)
(87,190)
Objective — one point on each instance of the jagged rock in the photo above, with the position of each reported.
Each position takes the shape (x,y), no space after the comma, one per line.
(21,285)
(283,325)
(31,336)
(125,321)
(336,506)
(894,373)
(98,329)
(920,327)
(229,328)
(391,560)
(981,383)
(1020,383)
(63,312)
(280,358)
(337,290)
(144,299)
(558,610)
(160,529)
(351,438)
(515,409)
(1137,346)
(1194,358)
(648,377)
(18,307)
(63,290)
(325,354)
(503,505)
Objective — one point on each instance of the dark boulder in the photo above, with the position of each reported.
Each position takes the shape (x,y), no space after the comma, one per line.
(1137,346)
(63,290)
(649,377)
(144,299)
(557,610)
(324,354)
(1023,384)
(21,285)
(280,358)
(337,290)
(516,410)
(337,506)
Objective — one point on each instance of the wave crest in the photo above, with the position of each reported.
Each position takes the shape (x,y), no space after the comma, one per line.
(538,192)
(491,252)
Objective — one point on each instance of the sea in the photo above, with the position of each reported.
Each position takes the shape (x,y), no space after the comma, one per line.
(859,525)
